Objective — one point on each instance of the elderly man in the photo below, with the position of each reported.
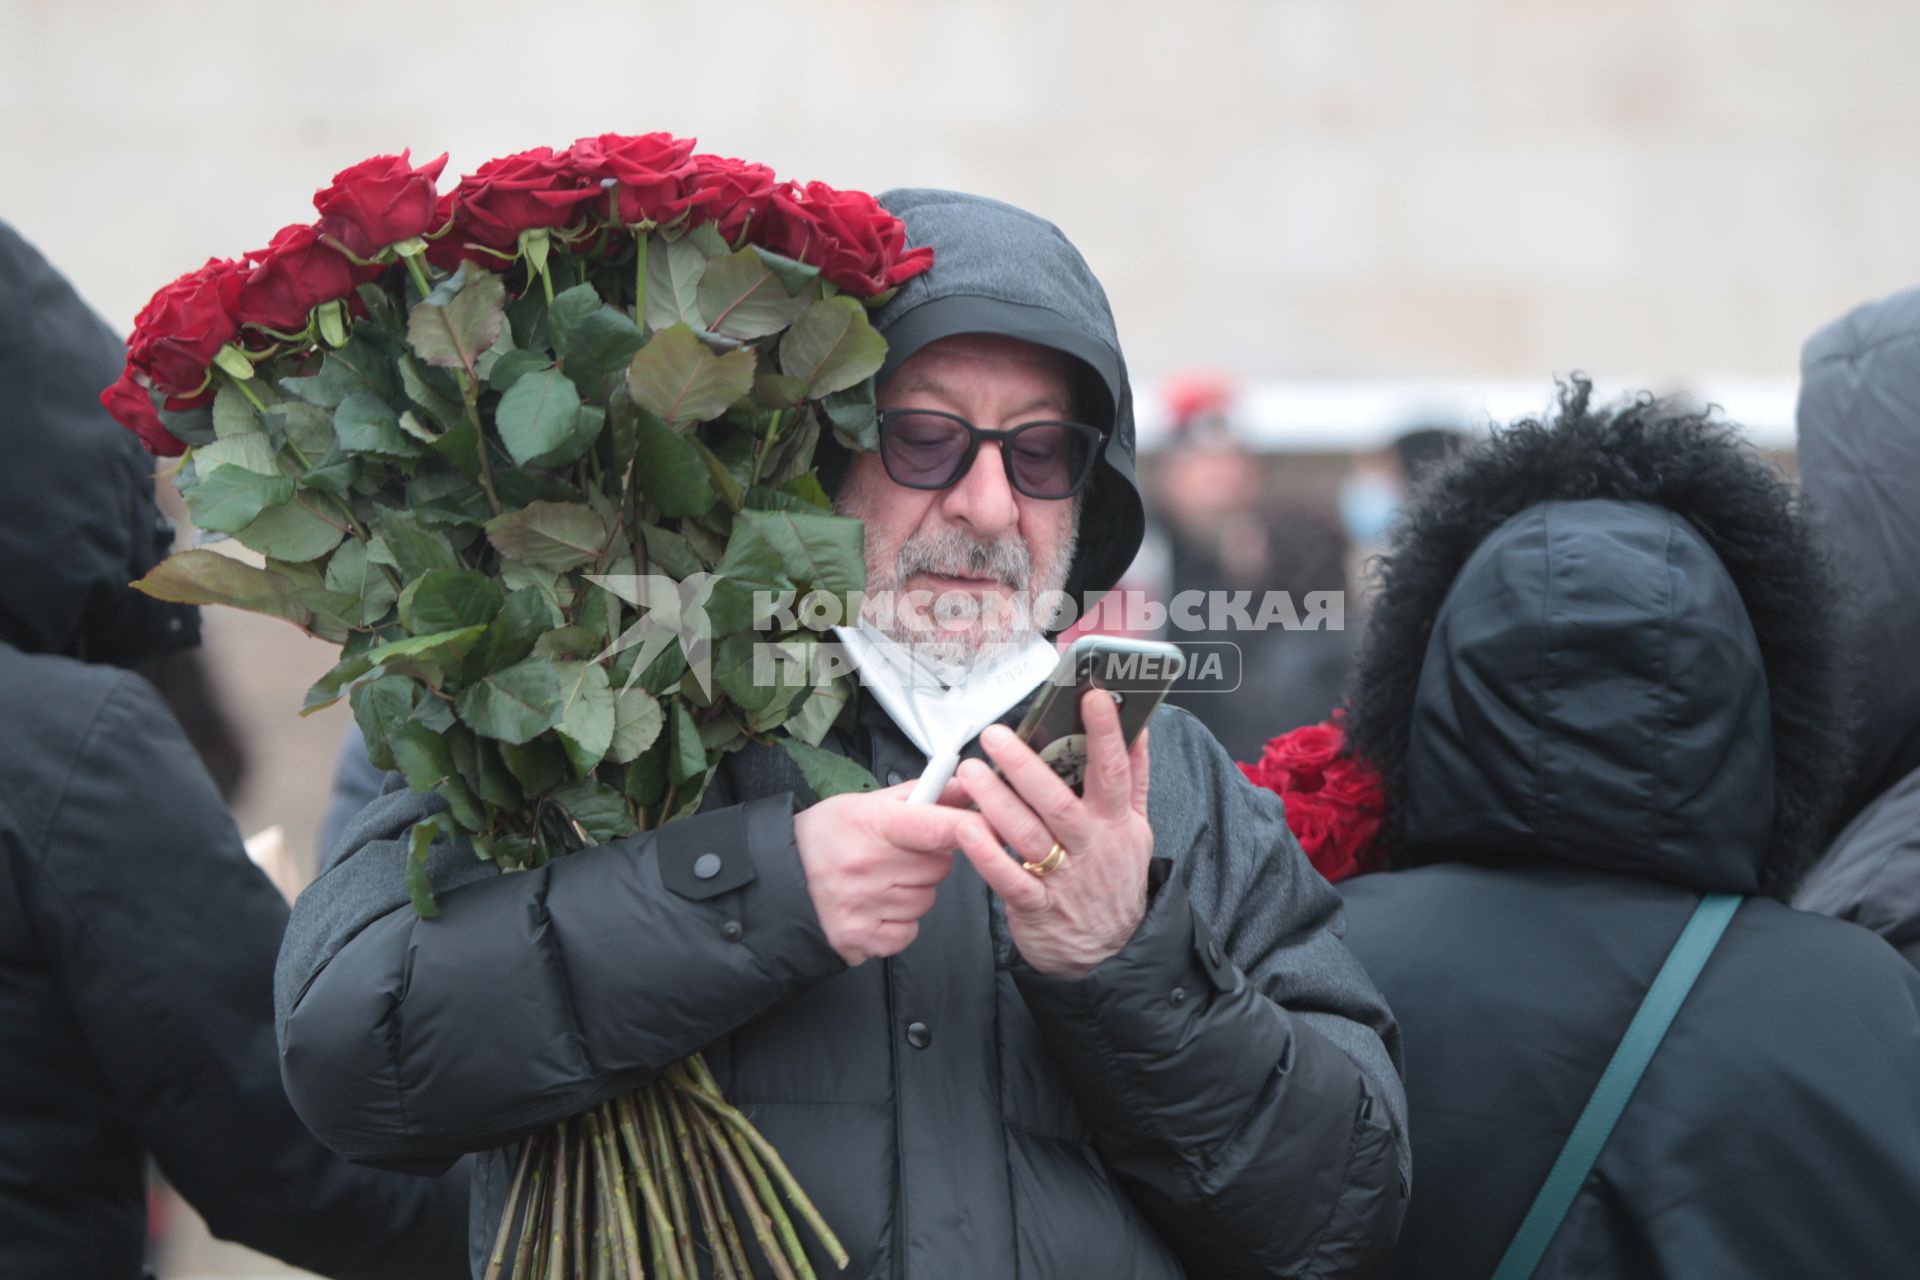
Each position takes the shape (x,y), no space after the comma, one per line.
(1157,1060)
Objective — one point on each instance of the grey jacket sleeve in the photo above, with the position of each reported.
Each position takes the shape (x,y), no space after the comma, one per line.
(1237,1067)
(1871,874)
(163,936)
(406,1041)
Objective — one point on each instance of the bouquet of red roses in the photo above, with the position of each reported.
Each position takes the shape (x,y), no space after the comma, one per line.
(1333,798)
(463,432)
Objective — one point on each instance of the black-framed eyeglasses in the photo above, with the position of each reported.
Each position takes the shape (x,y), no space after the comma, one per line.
(927,449)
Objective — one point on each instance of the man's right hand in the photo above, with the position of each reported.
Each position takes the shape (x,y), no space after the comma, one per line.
(872,861)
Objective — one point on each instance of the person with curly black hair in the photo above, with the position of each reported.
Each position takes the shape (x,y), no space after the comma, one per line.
(1601,684)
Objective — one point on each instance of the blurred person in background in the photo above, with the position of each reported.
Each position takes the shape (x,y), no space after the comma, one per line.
(1374,490)
(1600,682)
(1224,535)
(1860,465)
(137,941)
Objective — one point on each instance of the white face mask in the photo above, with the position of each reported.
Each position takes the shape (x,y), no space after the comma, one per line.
(942,711)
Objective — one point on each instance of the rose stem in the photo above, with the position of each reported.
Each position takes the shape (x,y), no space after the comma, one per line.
(617,1185)
(506,1218)
(536,1184)
(579,1201)
(709,1097)
(696,1174)
(710,1171)
(419,274)
(671,1176)
(658,1225)
(743,1188)
(557,1216)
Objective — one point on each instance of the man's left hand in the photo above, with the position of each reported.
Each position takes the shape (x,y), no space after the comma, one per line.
(1068,922)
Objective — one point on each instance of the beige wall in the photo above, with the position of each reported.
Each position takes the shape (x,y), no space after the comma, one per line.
(1492,188)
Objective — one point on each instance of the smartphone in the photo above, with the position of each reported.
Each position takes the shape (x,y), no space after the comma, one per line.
(1137,674)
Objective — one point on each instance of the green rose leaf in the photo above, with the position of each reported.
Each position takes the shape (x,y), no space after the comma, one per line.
(687,756)
(228,498)
(250,453)
(437,715)
(819,710)
(290,532)
(515,704)
(419,885)
(832,347)
(799,549)
(538,415)
(557,536)
(365,423)
(671,472)
(828,774)
(516,365)
(491,780)
(334,469)
(427,656)
(599,347)
(668,551)
(676,378)
(568,310)
(306,427)
(637,721)
(586,723)
(361,365)
(538,766)
(588,420)
(853,415)
(514,630)
(674,269)
(454,336)
(742,297)
(600,810)
(735,673)
(441,403)
(327,689)
(233,414)
(450,599)
(379,707)
(352,572)
(425,758)
(412,549)
(796,276)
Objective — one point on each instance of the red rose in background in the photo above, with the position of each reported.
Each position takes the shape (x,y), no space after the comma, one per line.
(296,273)
(653,172)
(379,202)
(132,407)
(1333,798)
(730,193)
(856,244)
(177,334)
(493,205)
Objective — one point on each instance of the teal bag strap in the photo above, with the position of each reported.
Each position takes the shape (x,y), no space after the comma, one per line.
(1617,1082)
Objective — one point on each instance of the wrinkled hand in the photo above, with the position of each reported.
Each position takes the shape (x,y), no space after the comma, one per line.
(1068,922)
(872,861)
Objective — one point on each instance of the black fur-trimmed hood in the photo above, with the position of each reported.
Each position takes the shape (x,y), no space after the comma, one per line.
(1606,640)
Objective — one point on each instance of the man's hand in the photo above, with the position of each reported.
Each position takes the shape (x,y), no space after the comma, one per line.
(1068,922)
(872,861)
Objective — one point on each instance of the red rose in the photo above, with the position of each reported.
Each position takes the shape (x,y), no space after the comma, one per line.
(731,194)
(1333,799)
(855,243)
(513,194)
(178,333)
(379,202)
(132,407)
(652,170)
(296,273)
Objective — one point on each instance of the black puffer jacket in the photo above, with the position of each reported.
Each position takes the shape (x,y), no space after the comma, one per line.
(1860,462)
(1591,752)
(136,939)
(1218,1099)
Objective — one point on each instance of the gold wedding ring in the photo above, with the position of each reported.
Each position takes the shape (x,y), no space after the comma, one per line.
(1056,857)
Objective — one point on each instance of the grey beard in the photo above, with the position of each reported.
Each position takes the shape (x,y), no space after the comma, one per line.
(960,630)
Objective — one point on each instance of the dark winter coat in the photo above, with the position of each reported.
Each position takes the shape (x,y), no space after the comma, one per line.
(136,938)
(1590,753)
(1860,463)
(1219,1099)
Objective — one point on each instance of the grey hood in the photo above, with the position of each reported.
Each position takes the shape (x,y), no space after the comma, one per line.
(78,520)
(1859,423)
(1000,270)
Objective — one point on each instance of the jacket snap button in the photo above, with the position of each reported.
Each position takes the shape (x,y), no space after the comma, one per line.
(707,866)
(1177,997)
(919,1035)
(1213,954)
(731,931)
(895,777)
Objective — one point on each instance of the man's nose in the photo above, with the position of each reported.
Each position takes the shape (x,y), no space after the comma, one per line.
(982,499)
